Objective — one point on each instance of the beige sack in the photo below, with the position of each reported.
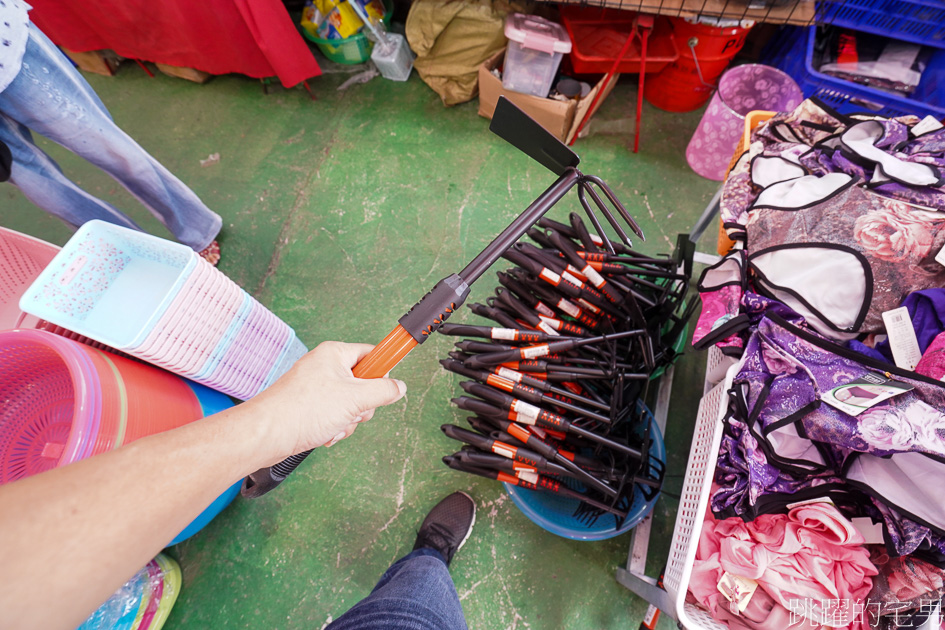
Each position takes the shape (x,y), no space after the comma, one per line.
(452,38)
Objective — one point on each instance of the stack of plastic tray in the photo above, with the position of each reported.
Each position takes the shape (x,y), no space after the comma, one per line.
(793,52)
(160,302)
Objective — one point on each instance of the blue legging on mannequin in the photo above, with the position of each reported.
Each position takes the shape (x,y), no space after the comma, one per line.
(51,98)
(416,593)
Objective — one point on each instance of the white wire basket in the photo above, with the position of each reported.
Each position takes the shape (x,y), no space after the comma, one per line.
(703,454)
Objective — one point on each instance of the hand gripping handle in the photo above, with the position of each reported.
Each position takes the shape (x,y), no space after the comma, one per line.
(414,328)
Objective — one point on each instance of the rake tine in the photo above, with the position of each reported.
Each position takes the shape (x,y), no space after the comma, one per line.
(594,220)
(619,206)
(621,233)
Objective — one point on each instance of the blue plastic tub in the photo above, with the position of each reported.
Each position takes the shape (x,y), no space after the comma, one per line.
(792,51)
(211,402)
(916,21)
(555,513)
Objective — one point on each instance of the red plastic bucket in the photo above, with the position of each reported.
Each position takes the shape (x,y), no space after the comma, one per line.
(680,88)
(709,41)
(138,400)
(705,51)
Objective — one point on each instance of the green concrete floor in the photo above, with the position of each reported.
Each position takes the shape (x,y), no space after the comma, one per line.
(339,214)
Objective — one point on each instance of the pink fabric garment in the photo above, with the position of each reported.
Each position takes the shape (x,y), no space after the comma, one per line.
(801,560)
(932,363)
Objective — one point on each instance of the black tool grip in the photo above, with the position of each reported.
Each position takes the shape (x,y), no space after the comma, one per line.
(465,330)
(457,367)
(467,437)
(435,307)
(468,345)
(489,359)
(496,315)
(478,407)
(265,479)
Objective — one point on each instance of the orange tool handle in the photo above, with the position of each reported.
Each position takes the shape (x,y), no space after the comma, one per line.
(395,346)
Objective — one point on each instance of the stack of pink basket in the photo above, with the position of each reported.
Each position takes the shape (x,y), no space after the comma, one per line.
(158,301)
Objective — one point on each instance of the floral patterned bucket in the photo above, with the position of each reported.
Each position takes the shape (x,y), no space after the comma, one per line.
(742,89)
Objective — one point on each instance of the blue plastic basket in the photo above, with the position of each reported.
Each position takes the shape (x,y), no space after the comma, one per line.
(916,21)
(555,513)
(792,51)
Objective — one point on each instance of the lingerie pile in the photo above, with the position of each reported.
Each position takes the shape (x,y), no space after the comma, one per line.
(827,508)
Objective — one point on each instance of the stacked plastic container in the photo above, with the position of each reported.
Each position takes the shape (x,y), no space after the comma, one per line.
(160,302)
(534,53)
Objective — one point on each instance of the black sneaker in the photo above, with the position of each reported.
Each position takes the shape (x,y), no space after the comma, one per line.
(448,525)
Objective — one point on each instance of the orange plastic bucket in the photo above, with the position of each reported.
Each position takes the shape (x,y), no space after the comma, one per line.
(138,400)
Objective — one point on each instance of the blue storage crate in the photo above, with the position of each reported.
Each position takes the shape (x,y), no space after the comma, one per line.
(792,51)
(916,21)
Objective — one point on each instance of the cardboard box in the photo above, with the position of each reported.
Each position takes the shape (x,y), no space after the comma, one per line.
(197,76)
(559,117)
(103,62)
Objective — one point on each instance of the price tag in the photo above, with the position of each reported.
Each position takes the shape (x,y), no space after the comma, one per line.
(902,339)
(737,589)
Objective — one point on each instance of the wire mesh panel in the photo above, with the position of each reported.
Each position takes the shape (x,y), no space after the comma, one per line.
(798,12)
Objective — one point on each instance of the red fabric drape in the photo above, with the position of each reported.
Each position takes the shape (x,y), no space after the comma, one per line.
(252,37)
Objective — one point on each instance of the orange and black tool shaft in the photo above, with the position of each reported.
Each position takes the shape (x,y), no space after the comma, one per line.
(477,457)
(508,421)
(522,479)
(490,426)
(491,332)
(543,350)
(540,369)
(540,271)
(537,395)
(522,292)
(427,315)
(531,414)
(593,275)
(469,345)
(566,271)
(545,386)
(547,451)
(414,328)
(627,260)
(489,466)
(483,443)
(562,372)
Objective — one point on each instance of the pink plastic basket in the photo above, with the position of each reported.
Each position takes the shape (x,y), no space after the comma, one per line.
(22,258)
(53,403)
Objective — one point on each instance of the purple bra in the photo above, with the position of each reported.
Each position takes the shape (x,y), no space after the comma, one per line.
(783,444)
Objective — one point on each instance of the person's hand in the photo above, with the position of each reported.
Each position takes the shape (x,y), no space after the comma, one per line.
(319,401)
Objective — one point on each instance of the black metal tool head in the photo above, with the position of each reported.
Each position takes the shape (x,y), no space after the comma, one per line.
(525,134)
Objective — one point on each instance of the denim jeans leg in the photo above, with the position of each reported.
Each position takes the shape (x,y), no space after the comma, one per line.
(51,98)
(41,181)
(416,593)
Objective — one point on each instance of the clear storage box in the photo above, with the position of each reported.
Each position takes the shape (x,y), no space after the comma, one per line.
(535,49)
